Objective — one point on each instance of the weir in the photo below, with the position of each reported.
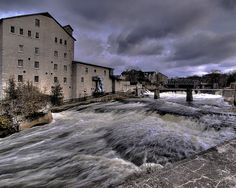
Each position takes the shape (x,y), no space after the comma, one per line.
(226,93)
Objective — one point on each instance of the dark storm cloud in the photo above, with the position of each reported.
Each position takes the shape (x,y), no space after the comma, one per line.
(204,49)
(166,19)
(153,34)
(143,48)
(21,5)
(228,4)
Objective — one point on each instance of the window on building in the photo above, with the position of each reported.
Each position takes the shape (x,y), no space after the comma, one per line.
(65,67)
(65,55)
(55,67)
(36,64)
(21,48)
(20,63)
(55,40)
(20,78)
(65,80)
(29,33)
(82,79)
(65,42)
(36,79)
(56,53)
(105,72)
(37,22)
(60,41)
(95,70)
(21,31)
(55,80)
(12,29)
(36,50)
(86,69)
(37,35)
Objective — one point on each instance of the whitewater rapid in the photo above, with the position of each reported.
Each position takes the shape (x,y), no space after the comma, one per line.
(100,144)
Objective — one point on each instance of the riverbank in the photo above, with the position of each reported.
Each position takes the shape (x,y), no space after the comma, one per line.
(215,167)
(46,118)
(106,98)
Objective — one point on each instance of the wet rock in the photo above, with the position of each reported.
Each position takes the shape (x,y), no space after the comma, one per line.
(40,119)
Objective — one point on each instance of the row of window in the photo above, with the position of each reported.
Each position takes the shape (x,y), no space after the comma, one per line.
(36,51)
(56,54)
(36,79)
(86,71)
(36,65)
(21,49)
(56,40)
(21,32)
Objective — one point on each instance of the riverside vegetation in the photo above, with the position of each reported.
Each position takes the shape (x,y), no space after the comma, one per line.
(24,102)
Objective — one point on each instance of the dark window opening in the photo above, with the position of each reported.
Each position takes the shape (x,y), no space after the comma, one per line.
(36,79)
(37,35)
(36,64)
(55,79)
(37,22)
(20,63)
(65,80)
(20,78)
(21,31)
(65,68)
(12,29)
(55,67)
(29,33)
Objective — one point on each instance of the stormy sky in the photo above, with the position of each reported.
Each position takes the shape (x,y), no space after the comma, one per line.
(175,37)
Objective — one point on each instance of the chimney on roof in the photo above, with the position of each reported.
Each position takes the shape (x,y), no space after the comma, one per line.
(69,29)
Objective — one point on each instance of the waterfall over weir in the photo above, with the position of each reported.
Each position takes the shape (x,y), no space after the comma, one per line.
(100,144)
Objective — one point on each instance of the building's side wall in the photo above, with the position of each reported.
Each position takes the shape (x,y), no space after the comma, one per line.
(83,85)
(74,81)
(123,86)
(48,30)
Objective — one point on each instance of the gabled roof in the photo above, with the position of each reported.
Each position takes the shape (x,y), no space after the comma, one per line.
(89,64)
(43,14)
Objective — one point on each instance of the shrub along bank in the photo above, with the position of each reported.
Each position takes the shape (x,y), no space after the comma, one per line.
(24,106)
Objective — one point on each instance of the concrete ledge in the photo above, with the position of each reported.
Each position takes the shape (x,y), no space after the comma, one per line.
(215,167)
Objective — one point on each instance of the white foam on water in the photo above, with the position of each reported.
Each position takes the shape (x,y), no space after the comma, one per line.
(97,148)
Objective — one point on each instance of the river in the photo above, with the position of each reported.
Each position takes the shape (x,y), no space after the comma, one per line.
(100,144)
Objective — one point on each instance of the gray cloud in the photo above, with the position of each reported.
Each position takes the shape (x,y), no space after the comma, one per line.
(151,34)
(204,48)
(165,20)
(228,4)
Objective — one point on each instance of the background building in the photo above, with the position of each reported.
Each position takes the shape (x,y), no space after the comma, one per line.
(89,79)
(36,48)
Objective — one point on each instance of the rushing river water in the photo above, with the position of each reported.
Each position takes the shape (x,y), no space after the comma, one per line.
(100,144)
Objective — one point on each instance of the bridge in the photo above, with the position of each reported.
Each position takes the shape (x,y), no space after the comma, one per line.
(189,92)
(182,83)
